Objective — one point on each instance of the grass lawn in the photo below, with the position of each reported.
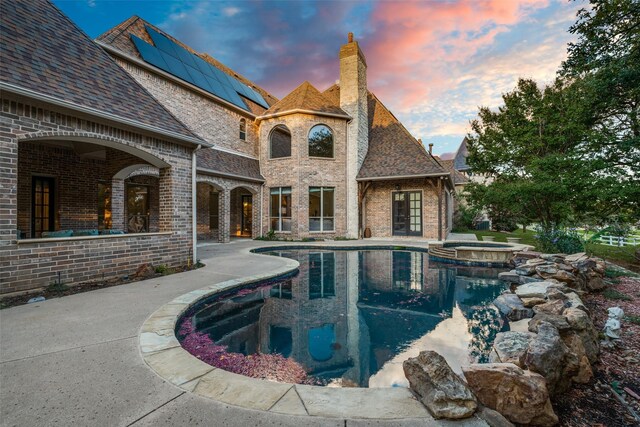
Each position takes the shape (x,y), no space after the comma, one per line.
(623,256)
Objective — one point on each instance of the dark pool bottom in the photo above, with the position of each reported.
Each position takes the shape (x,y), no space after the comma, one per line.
(348,318)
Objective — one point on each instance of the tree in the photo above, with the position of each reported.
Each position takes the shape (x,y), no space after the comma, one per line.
(570,152)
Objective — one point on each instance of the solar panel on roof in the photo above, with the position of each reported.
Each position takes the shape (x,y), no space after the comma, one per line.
(149,53)
(176,60)
(162,42)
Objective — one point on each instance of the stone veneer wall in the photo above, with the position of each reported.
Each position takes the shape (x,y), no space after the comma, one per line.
(211,121)
(301,172)
(378,207)
(32,264)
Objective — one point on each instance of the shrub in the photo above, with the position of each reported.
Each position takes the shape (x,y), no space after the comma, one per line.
(466,217)
(556,240)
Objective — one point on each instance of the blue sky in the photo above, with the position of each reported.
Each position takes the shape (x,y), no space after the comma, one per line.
(431,62)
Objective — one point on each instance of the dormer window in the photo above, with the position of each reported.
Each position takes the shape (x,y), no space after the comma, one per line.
(321,142)
(243,129)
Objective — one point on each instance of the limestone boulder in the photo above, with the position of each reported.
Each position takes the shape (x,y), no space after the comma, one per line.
(493,418)
(566,277)
(511,347)
(535,289)
(521,396)
(510,306)
(574,301)
(552,307)
(558,321)
(555,293)
(575,257)
(547,270)
(442,391)
(550,357)
(575,345)
(532,302)
(594,281)
(583,328)
(509,276)
(525,270)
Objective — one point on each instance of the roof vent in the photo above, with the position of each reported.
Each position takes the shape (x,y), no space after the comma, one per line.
(350,37)
(430,148)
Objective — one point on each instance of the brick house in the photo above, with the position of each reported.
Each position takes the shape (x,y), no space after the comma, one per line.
(130,148)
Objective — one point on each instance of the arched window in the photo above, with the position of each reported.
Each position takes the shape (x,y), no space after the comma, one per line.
(243,129)
(320,141)
(280,142)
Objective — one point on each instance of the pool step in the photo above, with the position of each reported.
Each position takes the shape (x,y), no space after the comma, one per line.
(443,252)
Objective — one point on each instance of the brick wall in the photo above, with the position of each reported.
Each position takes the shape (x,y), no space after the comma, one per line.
(378,207)
(301,172)
(209,120)
(22,266)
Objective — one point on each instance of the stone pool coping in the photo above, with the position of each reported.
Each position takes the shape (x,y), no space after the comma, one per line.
(161,351)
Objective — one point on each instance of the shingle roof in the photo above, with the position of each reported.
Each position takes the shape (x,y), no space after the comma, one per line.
(393,152)
(45,52)
(119,37)
(458,177)
(460,158)
(306,97)
(224,163)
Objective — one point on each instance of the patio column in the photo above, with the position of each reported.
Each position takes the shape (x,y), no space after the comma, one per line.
(118,200)
(224,228)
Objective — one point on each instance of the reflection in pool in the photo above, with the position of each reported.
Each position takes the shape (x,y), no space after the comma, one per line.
(350,318)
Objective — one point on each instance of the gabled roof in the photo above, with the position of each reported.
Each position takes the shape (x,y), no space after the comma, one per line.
(393,152)
(458,177)
(227,164)
(306,98)
(460,159)
(46,56)
(119,38)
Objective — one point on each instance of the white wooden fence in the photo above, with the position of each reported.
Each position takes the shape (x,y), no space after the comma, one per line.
(619,241)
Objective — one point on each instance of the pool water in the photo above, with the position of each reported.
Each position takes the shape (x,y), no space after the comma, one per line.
(350,318)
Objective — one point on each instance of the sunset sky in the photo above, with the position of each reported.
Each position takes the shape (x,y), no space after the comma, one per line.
(431,62)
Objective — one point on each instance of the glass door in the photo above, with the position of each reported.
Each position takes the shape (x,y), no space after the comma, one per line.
(247,215)
(407,213)
(137,209)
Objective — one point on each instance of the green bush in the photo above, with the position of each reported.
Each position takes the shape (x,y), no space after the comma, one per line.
(556,240)
(466,217)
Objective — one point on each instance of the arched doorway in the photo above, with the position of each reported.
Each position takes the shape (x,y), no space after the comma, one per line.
(242,212)
(208,212)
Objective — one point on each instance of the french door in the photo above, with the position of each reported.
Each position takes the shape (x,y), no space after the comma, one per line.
(247,215)
(407,213)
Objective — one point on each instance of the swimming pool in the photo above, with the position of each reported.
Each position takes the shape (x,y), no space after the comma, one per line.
(347,318)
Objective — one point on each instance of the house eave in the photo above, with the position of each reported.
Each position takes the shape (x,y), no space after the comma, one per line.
(229,175)
(21,91)
(303,111)
(396,177)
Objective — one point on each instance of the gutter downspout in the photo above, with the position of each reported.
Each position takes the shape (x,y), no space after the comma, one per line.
(440,209)
(194,213)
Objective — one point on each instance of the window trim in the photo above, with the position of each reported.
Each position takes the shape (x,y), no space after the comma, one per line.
(322,217)
(280,125)
(279,217)
(322,274)
(333,143)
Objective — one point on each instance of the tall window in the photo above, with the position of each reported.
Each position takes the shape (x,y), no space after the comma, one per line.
(104,206)
(320,142)
(214,217)
(280,142)
(281,209)
(137,208)
(321,211)
(243,129)
(42,214)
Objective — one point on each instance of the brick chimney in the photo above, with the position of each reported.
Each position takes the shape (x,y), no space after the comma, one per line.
(353,100)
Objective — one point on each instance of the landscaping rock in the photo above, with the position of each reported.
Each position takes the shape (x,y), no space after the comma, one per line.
(550,357)
(575,345)
(511,347)
(566,277)
(535,289)
(532,302)
(509,276)
(575,257)
(558,321)
(519,325)
(521,396)
(594,281)
(510,305)
(578,319)
(574,301)
(442,391)
(547,270)
(555,294)
(551,307)
(493,418)
(525,270)
(557,258)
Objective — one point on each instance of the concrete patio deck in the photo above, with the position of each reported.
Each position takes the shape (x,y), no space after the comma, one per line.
(75,360)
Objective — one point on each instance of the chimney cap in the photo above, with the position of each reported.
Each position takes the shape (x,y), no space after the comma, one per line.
(350,37)
(430,148)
